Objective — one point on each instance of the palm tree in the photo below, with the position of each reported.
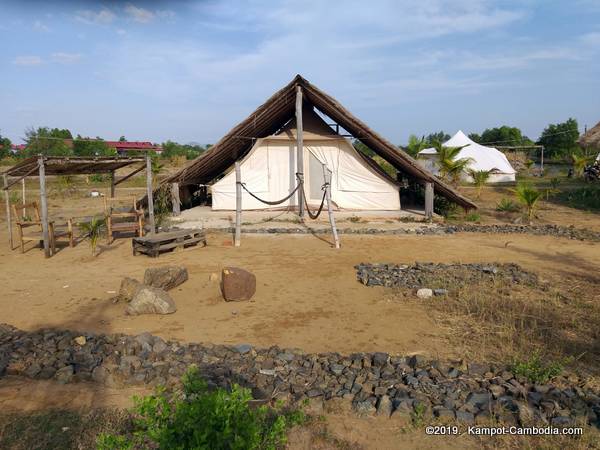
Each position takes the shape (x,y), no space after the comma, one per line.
(415,145)
(528,196)
(449,165)
(92,230)
(579,163)
(480,177)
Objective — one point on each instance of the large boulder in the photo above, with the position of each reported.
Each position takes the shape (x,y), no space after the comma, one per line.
(150,300)
(166,277)
(237,284)
(128,288)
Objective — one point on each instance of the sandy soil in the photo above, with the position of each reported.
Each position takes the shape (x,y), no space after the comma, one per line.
(307,295)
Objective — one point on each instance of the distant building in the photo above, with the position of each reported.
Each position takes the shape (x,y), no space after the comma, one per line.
(123,147)
(18,148)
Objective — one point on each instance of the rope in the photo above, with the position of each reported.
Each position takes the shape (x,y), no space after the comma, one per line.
(267,202)
(318,213)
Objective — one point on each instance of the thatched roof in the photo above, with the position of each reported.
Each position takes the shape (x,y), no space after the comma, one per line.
(275,113)
(591,139)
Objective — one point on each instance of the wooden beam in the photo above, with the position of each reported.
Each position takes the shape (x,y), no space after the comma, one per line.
(128,176)
(176,203)
(299,150)
(8,212)
(23,195)
(34,169)
(44,205)
(429,200)
(327,179)
(238,204)
(149,193)
(112,184)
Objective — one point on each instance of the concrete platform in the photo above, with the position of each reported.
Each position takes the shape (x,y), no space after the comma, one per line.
(205,217)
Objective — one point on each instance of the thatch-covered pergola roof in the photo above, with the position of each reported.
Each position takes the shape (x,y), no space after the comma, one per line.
(72,165)
(275,113)
(591,139)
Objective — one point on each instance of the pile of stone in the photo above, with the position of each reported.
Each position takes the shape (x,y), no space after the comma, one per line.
(445,276)
(370,383)
(151,296)
(581,234)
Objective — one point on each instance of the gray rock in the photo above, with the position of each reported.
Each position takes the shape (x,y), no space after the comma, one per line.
(443,413)
(127,289)
(380,359)
(465,417)
(365,408)
(166,278)
(243,348)
(384,406)
(440,292)
(478,399)
(150,300)
(64,375)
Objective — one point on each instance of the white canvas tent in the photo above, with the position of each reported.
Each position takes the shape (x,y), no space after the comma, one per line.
(482,158)
(269,169)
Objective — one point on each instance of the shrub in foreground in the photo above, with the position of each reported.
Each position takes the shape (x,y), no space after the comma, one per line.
(199,418)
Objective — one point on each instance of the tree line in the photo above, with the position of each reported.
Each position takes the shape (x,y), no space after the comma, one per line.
(559,140)
(60,142)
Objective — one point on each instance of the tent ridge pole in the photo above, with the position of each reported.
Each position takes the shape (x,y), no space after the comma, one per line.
(327,178)
(299,149)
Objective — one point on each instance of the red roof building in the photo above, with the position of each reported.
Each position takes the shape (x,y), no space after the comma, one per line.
(133,146)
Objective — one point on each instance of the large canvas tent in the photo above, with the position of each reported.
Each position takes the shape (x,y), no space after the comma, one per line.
(279,110)
(482,158)
(269,169)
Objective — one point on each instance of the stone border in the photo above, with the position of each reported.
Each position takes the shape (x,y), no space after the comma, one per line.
(373,383)
(581,234)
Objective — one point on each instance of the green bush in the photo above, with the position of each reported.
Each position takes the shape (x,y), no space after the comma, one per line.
(586,197)
(199,418)
(507,205)
(472,217)
(535,370)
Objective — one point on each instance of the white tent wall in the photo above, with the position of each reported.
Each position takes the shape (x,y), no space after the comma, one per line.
(269,172)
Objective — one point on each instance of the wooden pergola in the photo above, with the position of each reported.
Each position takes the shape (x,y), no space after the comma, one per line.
(41,166)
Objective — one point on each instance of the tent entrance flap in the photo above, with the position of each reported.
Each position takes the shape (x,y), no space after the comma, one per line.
(315,178)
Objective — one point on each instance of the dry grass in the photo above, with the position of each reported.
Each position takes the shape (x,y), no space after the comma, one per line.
(501,321)
(59,429)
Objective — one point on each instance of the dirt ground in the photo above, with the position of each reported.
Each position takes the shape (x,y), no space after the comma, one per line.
(307,294)
(307,297)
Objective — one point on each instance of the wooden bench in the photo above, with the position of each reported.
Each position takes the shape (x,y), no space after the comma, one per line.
(153,245)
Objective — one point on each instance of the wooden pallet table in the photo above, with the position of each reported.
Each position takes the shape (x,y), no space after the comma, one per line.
(153,245)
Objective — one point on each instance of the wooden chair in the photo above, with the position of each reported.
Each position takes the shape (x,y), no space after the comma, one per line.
(24,223)
(122,219)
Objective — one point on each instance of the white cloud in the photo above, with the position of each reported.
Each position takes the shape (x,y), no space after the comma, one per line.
(65,58)
(121,32)
(39,26)
(88,16)
(28,60)
(592,39)
(139,14)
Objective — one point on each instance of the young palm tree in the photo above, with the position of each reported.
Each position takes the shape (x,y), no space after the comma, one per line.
(579,163)
(449,165)
(415,145)
(528,196)
(480,177)
(93,230)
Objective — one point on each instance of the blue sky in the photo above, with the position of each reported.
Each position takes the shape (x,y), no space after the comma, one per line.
(191,70)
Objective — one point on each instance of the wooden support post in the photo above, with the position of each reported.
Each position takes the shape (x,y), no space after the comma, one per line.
(149,193)
(44,206)
(8,212)
(299,150)
(429,200)
(112,184)
(327,178)
(175,199)
(238,204)
(542,161)
(23,195)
